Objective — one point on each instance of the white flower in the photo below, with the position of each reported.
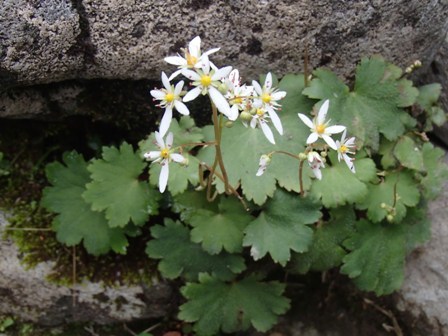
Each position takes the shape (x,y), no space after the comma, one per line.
(206,81)
(237,95)
(265,160)
(169,99)
(319,127)
(267,97)
(344,147)
(316,162)
(260,118)
(164,157)
(193,57)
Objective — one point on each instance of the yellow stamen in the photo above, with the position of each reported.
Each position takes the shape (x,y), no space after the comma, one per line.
(165,153)
(343,149)
(266,98)
(206,80)
(191,60)
(320,129)
(260,112)
(169,97)
(237,100)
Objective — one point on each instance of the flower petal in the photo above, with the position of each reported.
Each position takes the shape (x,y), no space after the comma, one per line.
(220,102)
(323,112)
(312,138)
(158,94)
(268,81)
(317,173)
(169,140)
(177,158)
(190,74)
(175,60)
(210,51)
(233,115)
(159,140)
(329,141)
(152,155)
(166,82)
(257,87)
(178,88)
(163,177)
(166,121)
(276,121)
(334,129)
(267,132)
(278,95)
(175,74)
(349,162)
(343,136)
(192,94)
(307,121)
(221,73)
(194,47)
(181,107)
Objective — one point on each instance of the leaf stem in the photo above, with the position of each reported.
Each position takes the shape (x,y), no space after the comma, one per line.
(302,192)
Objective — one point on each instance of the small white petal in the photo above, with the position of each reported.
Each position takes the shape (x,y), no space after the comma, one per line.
(190,74)
(192,94)
(334,129)
(233,115)
(276,121)
(152,155)
(350,142)
(175,74)
(159,140)
(323,112)
(211,51)
(253,122)
(278,95)
(317,172)
(255,253)
(329,141)
(220,102)
(267,132)
(177,158)
(268,81)
(312,138)
(178,88)
(221,73)
(343,136)
(163,177)
(158,94)
(349,162)
(169,140)
(176,60)
(165,81)
(307,121)
(166,121)
(257,87)
(194,47)
(181,107)
(234,77)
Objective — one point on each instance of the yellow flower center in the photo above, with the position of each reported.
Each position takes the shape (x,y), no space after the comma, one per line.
(237,100)
(191,60)
(266,98)
(206,80)
(343,149)
(260,112)
(169,97)
(320,129)
(165,153)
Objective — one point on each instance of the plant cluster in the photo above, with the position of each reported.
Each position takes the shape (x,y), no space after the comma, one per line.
(343,183)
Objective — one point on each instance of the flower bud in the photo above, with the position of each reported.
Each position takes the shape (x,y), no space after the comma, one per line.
(246,116)
(302,156)
(390,218)
(228,124)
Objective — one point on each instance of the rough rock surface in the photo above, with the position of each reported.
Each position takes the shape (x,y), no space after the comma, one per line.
(425,290)
(26,295)
(48,41)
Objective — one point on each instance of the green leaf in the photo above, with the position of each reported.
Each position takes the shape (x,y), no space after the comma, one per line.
(386,149)
(326,250)
(187,203)
(380,198)
(220,229)
(373,106)
(417,227)
(115,187)
(409,153)
(436,171)
(408,93)
(242,148)
(429,95)
(180,256)
(340,186)
(76,221)
(281,227)
(376,260)
(215,305)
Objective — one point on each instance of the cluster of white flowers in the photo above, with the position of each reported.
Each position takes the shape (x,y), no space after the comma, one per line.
(256,105)
(320,129)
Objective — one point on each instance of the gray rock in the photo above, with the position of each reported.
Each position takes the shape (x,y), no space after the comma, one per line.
(51,40)
(425,290)
(27,295)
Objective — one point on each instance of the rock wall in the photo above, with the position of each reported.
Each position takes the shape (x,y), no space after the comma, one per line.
(58,40)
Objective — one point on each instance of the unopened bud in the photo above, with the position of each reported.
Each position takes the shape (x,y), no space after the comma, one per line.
(246,116)
(302,156)
(323,154)
(383,205)
(185,162)
(390,218)
(228,124)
